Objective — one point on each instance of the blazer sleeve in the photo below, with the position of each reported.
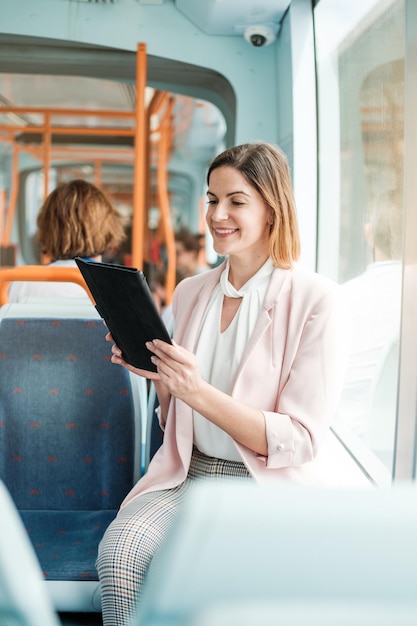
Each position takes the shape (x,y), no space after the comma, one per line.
(310,391)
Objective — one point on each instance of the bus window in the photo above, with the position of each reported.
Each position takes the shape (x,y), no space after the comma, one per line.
(360,68)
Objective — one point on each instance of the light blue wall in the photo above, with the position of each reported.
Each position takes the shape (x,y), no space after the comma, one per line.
(285,110)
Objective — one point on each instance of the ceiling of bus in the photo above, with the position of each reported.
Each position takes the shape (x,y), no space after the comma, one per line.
(231,17)
(50,73)
(223,17)
(61,74)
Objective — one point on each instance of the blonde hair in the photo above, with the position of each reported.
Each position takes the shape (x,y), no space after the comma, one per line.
(77,219)
(265,167)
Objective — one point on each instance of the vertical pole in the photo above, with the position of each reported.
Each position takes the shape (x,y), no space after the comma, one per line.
(11,209)
(47,152)
(162,175)
(139,182)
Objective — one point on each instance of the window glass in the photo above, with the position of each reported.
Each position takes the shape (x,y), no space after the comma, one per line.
(360,73)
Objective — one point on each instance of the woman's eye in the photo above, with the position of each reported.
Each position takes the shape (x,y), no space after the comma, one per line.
(211,201)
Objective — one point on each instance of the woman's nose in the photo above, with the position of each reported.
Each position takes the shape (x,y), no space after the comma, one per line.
(220,212)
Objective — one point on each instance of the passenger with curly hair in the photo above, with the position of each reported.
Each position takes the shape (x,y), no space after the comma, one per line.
(76,219)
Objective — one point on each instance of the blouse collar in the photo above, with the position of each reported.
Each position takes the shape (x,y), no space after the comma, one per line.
(261,276)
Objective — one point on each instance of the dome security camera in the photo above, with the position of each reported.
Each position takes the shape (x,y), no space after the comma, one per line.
(259,36)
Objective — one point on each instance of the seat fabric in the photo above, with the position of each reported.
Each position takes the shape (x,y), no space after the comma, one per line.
(66,541)
(67,437)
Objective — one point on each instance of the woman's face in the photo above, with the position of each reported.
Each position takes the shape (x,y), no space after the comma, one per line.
(237,216)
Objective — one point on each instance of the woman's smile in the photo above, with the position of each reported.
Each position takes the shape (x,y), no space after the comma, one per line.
(224,232)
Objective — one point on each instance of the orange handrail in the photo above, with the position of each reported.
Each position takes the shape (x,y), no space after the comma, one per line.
(39,272)
(155,106)
(74,130)
(162,190)
(139,183)
(10,211)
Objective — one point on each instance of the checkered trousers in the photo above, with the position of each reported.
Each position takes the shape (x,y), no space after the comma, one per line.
(139,529)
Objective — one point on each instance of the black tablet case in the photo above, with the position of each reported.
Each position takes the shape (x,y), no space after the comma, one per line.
(123,299)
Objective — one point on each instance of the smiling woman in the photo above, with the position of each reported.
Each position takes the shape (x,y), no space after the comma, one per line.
(143,98)
(248,387)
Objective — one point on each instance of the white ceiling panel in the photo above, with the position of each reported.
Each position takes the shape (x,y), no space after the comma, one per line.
(232,17)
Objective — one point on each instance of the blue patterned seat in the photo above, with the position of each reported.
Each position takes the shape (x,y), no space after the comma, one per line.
(70,434)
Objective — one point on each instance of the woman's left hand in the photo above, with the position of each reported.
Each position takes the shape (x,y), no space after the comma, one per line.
(177,368)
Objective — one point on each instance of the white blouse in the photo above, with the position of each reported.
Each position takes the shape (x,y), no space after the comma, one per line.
(219,354)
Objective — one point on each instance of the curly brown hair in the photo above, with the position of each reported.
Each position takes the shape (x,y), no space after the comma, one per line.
(77,219)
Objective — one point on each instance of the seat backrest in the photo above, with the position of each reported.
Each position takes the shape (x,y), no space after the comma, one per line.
(70,426)
(24,600)
(236,543)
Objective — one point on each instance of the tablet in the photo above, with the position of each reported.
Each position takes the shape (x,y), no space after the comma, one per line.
(125,302)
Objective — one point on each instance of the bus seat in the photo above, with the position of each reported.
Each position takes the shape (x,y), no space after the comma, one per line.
(236,544)
(24,600)
(70,438)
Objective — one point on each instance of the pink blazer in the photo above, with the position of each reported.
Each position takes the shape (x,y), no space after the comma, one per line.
(292,369)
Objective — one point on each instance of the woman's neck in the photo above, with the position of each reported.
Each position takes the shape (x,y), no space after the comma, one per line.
(241,271)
